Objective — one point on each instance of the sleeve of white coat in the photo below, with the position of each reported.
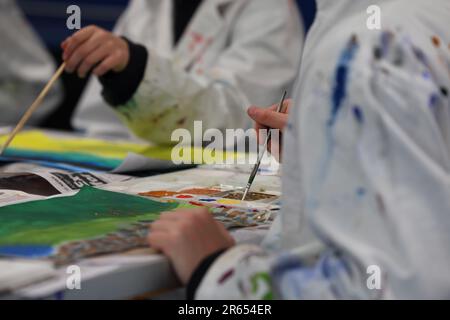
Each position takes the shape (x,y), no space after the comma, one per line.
(261,60)
(25,67)
(380,203)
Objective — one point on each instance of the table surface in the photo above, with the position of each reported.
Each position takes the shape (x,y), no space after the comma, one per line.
(139,272)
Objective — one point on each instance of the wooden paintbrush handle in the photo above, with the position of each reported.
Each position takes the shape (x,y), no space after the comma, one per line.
(33,107)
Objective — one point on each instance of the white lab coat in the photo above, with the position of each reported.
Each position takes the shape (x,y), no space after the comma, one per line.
(367,165)
(234,53)
(25,68)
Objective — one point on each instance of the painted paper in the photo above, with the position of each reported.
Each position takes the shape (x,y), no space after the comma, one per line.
(68,228)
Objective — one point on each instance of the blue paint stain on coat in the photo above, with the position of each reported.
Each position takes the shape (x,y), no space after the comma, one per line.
(434,100)
(337,97)
(341,78)
(361,192)
(358,114)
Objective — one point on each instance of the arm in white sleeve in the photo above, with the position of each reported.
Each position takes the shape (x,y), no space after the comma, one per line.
(25,68)
(376,176)
(261,60)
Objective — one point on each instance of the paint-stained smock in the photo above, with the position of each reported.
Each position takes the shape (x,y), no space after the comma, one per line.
(367,165)
(234,53)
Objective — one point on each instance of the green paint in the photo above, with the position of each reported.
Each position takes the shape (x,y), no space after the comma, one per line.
(90,213)
(257,279)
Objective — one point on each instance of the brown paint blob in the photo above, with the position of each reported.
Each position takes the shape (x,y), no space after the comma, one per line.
(436,41)
(201,191)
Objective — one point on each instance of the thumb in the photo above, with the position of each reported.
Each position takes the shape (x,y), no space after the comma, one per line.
(268,118)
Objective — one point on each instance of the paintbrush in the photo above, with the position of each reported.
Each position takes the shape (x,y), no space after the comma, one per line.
(261,154)
(32,108)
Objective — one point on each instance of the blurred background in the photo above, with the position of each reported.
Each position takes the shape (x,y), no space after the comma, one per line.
(48,17)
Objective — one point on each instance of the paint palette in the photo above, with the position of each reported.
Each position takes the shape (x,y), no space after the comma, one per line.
(225,203)
(251,196)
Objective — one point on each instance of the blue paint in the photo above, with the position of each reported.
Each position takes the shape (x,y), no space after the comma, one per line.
(338,95)
(341,79)
(26,251)
(386,38)
(208,200)
(49,164)
(47,158)
(361,192)
(420,55)
(426,75)
(358,114)
(433,101)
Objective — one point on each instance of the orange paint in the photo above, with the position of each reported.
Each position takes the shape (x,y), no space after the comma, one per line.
(158,194)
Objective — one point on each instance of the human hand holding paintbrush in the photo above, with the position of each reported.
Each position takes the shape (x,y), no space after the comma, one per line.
(96,49)
(269,118)
(268,138)
(188,236)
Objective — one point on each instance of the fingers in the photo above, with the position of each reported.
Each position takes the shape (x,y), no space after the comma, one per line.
(225,233)
(92,59)
(170,215)
(186,237)
(267,118)
(171,221)
(93,47)
(159,240)
(161,226)
(71,43)
(88,47)
(108,64)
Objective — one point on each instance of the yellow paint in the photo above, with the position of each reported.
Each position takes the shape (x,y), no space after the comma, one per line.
(228,201)
(39,141)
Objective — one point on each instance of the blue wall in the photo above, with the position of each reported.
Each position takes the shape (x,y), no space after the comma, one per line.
(49,16)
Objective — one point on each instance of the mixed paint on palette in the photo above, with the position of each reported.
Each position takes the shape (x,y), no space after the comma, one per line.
(225,203)
(218,194)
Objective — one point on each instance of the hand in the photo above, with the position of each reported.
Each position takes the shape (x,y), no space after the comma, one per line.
(93,47)
(269,118)
(187,237)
